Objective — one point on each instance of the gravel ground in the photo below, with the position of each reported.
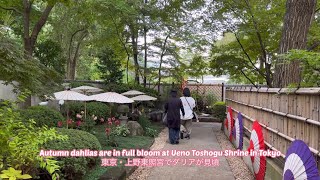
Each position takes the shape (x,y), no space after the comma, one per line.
(237,165)
(141,173)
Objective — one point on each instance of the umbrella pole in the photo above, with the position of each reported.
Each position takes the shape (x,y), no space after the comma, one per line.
(85,110)
(67,116)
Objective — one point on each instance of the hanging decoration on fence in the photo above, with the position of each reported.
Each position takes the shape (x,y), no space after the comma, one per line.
(299,163)
(237,132)
(230,122)
(256,144)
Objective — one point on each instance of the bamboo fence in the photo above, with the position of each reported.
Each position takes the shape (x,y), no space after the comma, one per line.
(285,114)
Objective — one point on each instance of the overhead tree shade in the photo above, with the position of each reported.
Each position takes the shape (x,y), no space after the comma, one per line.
(112,97)
(144,98)
(132,93)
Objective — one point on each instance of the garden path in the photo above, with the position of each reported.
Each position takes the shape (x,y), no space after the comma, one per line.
(203,138)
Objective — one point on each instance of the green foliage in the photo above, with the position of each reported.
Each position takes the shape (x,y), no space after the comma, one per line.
(144,122)
(42,115)
(200,100)
(75,84)
(219,110)
(110,66)
(51,166)
(98,109)
(87,124)
(75,167)
(198,66)
(21,142)
(30,74)
(13,174)
(311,66)
(121,88)
(49,53)
(120,131)
(210,99)
(151,132)
(257,25)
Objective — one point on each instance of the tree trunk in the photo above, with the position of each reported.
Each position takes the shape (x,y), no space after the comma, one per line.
(161,60)
(124,47)
(72,58)
(145,49)
(297,21)
(145,58)
(29,40)
(135,54)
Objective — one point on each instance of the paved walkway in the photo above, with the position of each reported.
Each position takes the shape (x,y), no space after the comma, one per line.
(203,138)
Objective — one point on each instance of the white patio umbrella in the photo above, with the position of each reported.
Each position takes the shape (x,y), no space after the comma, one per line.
(111,97)
(132,93)
(144,98)
(71,96)
(86,89)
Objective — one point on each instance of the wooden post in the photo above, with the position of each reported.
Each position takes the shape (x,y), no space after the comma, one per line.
(222,91)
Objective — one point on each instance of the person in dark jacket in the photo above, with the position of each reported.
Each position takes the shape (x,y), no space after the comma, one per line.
(172,108)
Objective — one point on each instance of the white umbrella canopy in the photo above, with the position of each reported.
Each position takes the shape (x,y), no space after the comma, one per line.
(112,97)
(144,98)
(86,89)
(71,96)
(132,93)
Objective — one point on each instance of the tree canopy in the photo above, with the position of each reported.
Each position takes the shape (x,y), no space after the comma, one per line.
(154,41)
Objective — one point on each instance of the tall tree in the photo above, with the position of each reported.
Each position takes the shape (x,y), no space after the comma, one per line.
(297,21)
(110,66)
(248,49)
(31,26)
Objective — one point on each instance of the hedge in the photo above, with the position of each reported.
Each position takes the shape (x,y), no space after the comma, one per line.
(75,167)
(42,115)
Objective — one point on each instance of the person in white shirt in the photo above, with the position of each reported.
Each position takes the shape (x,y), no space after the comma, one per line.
(188,104)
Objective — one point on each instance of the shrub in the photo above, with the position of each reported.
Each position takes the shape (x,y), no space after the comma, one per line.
(151,132)
(120,131)
(121,88)
(200,104)
(219,110)
(87,124)
(75,167)
(75,84)
(42,115)
(99,109)
(211,99)
(144,122)
(21,141)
